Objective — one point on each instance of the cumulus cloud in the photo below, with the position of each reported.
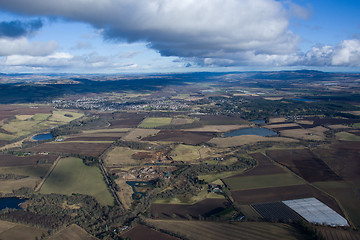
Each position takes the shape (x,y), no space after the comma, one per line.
(15,29)
(203,32)
(346,53)
(187,28)
(21,46)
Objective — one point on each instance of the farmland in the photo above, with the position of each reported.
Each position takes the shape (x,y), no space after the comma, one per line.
(142,232)
(185,137)
(135,160)
(71,175)
(201,209)
(82,148)
(201,230)
(261,181)
(155,122)
(72,232)
(13,231)
(304,163)
(247,139)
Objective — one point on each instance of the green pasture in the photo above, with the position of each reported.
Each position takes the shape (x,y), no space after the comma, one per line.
(153,122)
(71,175)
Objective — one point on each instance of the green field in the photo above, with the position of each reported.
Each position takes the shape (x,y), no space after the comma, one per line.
(71,175)
(203,194)
(210,178)
(262,181)
(347,136)
(65,116)
(204,230)
(153,122)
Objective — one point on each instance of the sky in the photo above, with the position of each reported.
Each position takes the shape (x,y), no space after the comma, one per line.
(155,36)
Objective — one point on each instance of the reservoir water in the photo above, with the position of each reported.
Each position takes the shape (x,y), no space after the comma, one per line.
(43,137)
(251,131)
(11,202)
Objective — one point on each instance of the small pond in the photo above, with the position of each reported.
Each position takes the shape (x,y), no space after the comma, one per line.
(43,137)
(139,188)
(251,131)
(11,202)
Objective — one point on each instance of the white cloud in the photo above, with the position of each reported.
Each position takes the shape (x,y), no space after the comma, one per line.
(187,28)
(21,46)
(347,53)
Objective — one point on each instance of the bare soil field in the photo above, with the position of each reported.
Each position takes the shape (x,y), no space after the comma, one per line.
(73,232)
(304,163)
(217,128)
(125,120)
(181,136)
(247,139)
(3,143)
(316,133)
(264,167)
(338,126)
(86,149)
(15,231)
(330,233)
(90,139)
(8,160)
(204,208)
(282,125)
(276,194)
(330,121)
(141,232)
(7,111)
(140,133)
(205,230)
(221,120)
(347,194)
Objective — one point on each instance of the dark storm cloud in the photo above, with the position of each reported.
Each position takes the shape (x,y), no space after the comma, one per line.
(16,29)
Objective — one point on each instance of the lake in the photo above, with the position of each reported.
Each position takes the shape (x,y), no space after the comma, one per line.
(11,202)
(251,131)
(43,137)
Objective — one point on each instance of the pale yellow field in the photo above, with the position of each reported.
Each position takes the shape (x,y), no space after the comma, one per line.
(316,133)
(120,156)
(276,120)
(273,98)
(282,125)
(217,128)
(59,116)
(180,121)
(305,122)
(188,153)
(107,130)
(7,186)
(338,126)
(139,133)
(246,139)
(23,117)
(125,193)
